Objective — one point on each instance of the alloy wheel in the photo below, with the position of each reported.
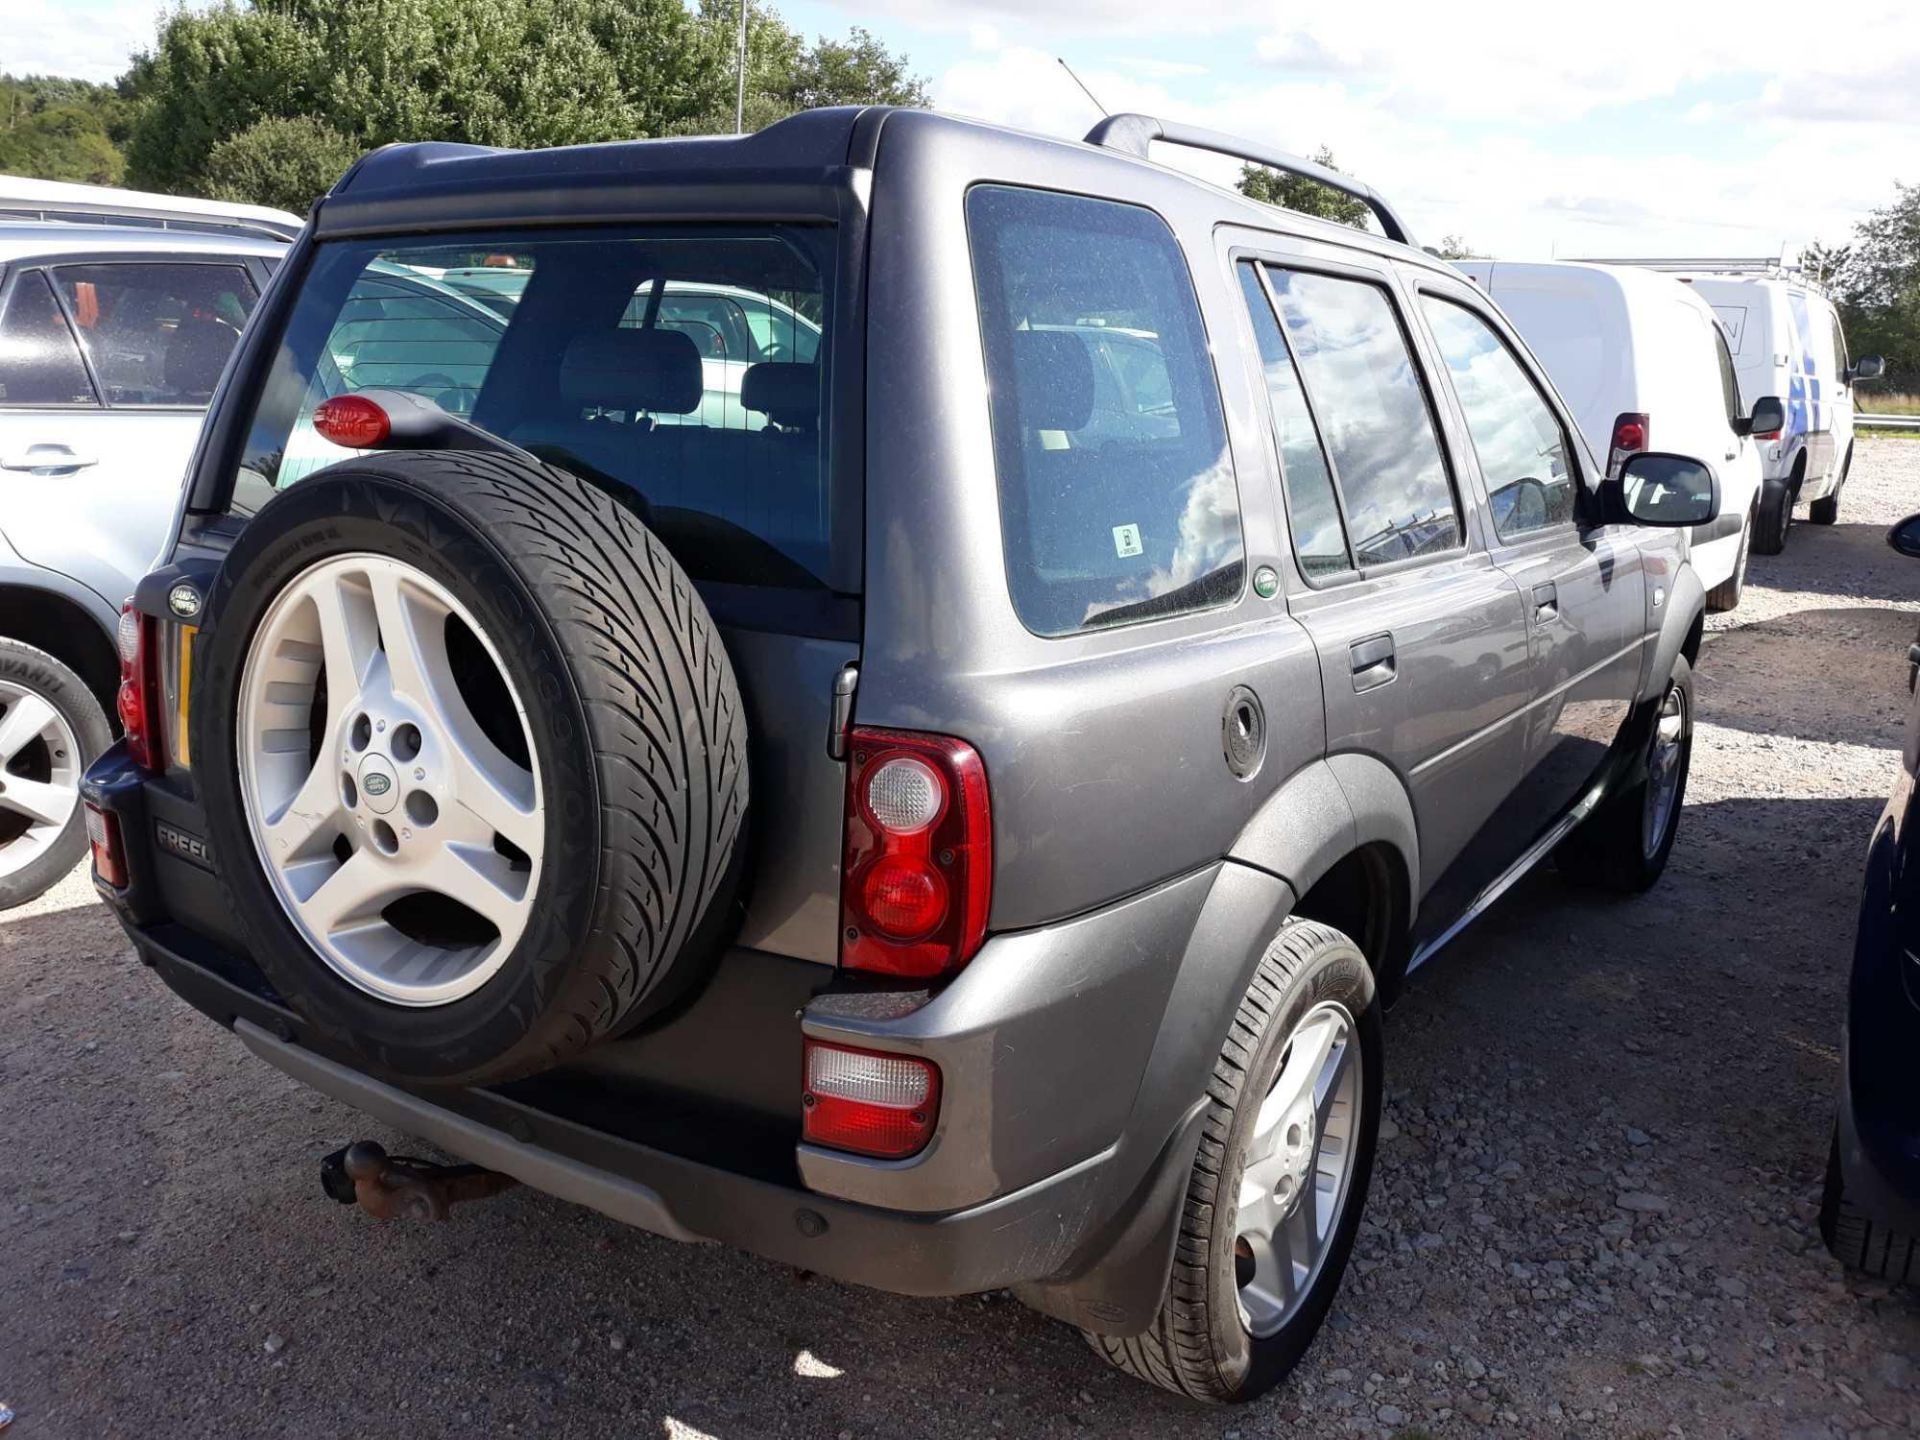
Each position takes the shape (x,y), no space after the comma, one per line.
(1299,1163)
(389,779)
(40,767)
(1663,770)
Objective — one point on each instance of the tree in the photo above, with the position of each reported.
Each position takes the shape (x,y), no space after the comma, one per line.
(1876,283)
(492,72)
(288,163)
(55,129)
(1455,247)
(1309,197)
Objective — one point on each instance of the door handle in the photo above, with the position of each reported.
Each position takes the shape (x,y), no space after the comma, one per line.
(47,457)
(1372,662)
(1733,454)
(1546,601)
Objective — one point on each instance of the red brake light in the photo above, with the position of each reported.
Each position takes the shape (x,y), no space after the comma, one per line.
(109,860)
(918,870)
(352,421)
(1630,433)
(868,1101)
(139,699)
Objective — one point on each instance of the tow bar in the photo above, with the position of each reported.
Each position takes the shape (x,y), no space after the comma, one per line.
(399,1187)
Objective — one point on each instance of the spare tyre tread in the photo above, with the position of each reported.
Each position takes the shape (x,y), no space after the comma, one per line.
(651,680)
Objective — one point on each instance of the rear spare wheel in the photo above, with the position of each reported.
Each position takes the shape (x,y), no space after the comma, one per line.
(473,759)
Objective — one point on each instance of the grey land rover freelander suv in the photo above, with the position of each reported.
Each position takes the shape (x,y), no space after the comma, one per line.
(910,717)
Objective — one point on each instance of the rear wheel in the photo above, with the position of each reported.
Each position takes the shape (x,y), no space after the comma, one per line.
(51,728)
(1856,1241)
(1274,1198)
(1726,595)
(1827,510)
(476,754)
(1775,516)
(1624,844)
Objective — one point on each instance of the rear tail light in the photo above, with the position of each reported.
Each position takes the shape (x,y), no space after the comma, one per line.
(109,858)
(918,869)
(869,1102)
(139,698)
(352,421)
(1631,435)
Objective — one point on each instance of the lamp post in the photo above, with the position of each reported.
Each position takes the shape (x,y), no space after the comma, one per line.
(740,84)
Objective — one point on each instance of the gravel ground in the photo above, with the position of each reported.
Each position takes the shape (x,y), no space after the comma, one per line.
(1594,1216)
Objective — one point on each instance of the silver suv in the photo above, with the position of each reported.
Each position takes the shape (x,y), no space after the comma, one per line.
(951,820)
(112,338)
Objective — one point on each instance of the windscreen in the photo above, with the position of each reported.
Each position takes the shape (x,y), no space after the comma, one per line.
(684,372)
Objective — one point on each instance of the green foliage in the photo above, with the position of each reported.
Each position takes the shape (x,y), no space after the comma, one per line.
(289,163)
(1456,247)
(1309,197)
(490,72)
(54,129)
(1876,283)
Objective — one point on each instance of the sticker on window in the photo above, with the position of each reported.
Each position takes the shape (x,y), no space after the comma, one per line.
(1126,541)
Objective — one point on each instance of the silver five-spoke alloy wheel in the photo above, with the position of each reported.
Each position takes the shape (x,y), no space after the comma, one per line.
(40,767)
(1299,1161)
(402,838)
(1663,769)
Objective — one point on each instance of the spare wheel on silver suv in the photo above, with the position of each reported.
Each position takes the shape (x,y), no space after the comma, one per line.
(473,760)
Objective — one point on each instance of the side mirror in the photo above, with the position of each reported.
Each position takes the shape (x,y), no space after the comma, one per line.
(1905,537)
(1870,368)
(1769,417)
(1669,490)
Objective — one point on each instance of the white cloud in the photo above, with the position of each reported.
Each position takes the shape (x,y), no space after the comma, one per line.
(86,42)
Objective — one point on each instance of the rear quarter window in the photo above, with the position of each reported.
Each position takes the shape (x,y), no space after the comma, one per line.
(1117,493)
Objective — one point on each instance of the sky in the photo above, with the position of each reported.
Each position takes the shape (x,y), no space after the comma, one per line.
(1530,130)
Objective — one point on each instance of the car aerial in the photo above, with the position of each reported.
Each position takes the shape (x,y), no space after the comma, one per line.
(1870,1211)
(1787,340)
(112,336)
(959,834)
(1640,358)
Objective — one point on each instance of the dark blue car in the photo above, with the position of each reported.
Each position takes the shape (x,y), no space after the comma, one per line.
(1870,1215)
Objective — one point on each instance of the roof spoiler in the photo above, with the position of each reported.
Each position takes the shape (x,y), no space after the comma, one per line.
(1132,134)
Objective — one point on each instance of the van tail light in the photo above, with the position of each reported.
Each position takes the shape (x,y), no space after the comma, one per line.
(868,1101)
(918,869)
(139,700)
(109,856)
(1631,435)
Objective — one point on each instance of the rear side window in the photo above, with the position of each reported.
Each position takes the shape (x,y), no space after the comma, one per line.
(1373,413)
(39,361)
(158,334)
(1729,381)
(682,371)
(1523,451)
(1117,494)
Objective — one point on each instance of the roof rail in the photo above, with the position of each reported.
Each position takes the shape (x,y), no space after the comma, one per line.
(1787,264)
(1132,134)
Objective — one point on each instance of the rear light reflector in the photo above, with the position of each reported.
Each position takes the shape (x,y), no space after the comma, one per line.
(352,421)
(918,870)
(109,858)
(869,1102)
(138,702)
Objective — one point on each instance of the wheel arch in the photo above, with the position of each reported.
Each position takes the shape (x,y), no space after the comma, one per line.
(68,630)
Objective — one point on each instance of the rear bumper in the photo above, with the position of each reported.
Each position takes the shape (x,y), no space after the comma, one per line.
(1074,1062)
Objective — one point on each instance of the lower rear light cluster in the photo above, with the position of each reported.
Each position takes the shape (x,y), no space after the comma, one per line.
(918,870)
(868,1102)
(139,698)
(109,857)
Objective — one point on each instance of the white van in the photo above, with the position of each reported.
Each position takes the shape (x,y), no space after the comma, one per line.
(1644,365)
(1787,340)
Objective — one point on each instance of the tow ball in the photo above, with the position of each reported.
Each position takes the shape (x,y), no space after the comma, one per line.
(400,1187)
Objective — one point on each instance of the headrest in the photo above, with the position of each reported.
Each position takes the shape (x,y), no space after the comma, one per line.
(656,370)
(1053,370)
(786,392)
(196,353)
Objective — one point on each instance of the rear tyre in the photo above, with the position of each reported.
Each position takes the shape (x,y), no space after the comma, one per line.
(1775,517)
(51,729)
(1858,1242)
(1826,511)
(1726,595)
(1624,844)
(473,758)
(1274,1198)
